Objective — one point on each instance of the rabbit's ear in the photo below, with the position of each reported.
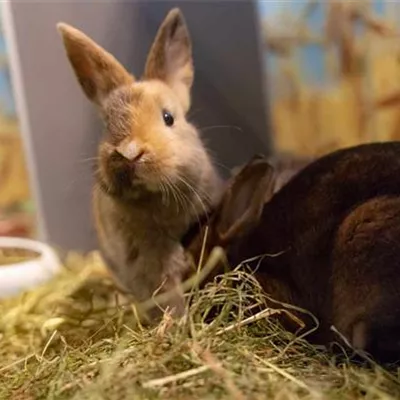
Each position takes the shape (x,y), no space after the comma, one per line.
(243,202)
(97,71)
(170,58)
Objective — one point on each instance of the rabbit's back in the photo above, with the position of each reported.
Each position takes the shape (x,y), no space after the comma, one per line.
(311,206)
(332,232)
(366,277)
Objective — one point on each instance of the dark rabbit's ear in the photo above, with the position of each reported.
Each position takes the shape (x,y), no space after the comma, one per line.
(97,71)
(243,202)
(170,57)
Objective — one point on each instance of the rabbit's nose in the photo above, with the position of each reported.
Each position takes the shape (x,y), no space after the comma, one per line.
(130,151)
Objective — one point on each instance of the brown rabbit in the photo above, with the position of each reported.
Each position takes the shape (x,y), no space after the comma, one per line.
(334,231)
(154,174)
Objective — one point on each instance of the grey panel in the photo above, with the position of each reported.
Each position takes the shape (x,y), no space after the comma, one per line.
(229,104)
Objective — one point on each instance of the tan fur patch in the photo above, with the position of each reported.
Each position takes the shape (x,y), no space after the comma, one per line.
(170,57)
(97,71)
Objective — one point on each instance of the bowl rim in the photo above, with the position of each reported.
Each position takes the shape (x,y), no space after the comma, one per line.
(26,274)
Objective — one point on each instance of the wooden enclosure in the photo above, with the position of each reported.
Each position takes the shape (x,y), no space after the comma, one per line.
(358,99)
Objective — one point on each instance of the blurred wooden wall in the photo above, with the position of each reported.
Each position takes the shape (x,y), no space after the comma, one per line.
(14,182)
(361,103)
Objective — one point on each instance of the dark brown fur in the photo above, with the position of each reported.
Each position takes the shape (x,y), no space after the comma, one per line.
(336,228)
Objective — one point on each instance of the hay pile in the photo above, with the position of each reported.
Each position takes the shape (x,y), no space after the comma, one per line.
(72,339)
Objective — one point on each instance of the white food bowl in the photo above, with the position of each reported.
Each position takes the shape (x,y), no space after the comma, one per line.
(24,275)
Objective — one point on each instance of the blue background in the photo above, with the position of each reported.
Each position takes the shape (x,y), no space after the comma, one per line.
(311,56)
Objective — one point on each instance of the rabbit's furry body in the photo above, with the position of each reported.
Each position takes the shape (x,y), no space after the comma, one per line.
(154,175)
(329,241)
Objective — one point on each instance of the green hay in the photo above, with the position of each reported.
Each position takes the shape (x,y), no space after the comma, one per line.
(72,339)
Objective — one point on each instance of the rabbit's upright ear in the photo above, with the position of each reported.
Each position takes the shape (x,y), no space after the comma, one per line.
(97,71)
(170,58)
(242,204)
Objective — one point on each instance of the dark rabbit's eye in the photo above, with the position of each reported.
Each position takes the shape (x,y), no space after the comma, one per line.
(168,118)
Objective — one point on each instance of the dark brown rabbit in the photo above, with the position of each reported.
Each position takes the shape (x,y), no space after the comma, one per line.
(334,231)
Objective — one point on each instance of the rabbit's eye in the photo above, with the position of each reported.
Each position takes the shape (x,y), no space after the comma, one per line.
(168,118)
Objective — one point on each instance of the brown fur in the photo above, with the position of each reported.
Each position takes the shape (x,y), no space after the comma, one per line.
(153,179)
(97,71)
(179,57)
(335,232)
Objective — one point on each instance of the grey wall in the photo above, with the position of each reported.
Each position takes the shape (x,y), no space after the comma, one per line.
(61,128)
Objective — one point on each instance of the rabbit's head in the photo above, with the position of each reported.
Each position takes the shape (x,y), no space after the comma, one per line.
(239,211)
(149,145)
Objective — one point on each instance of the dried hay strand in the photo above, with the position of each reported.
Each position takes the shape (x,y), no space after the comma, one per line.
(74,339)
